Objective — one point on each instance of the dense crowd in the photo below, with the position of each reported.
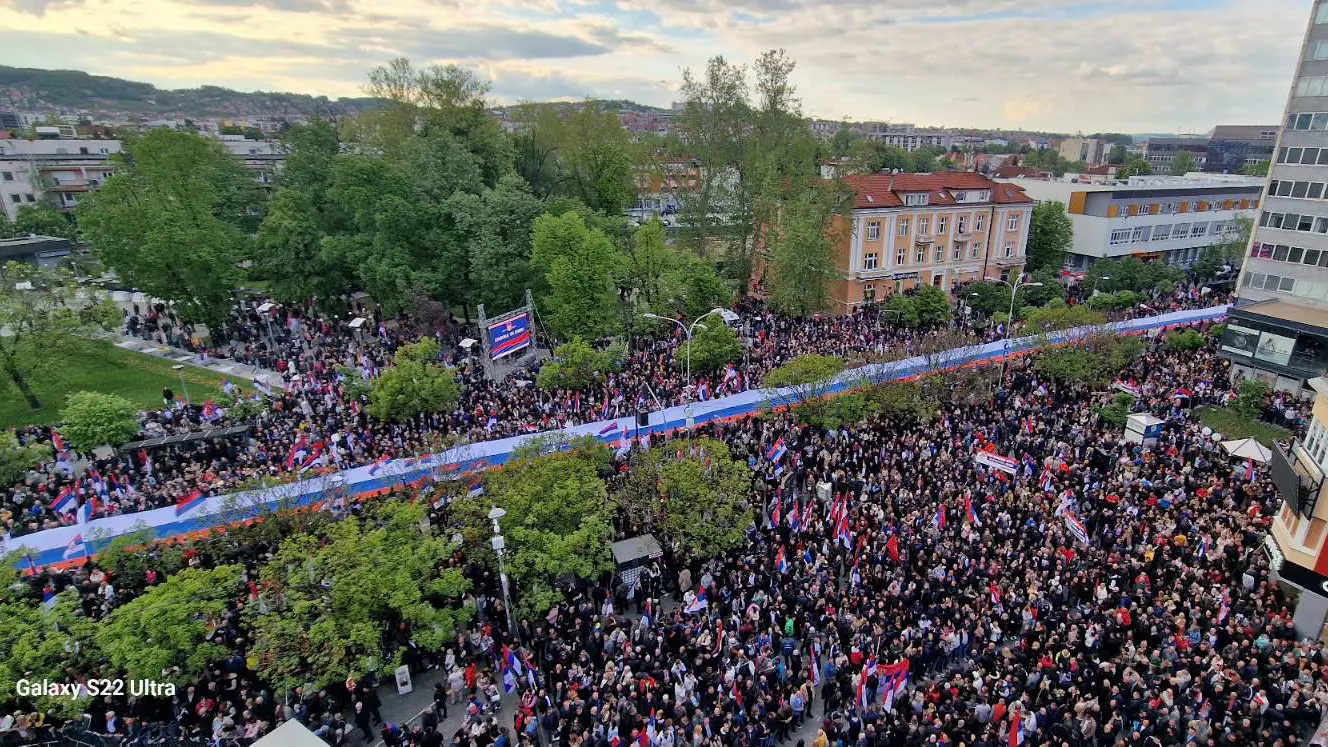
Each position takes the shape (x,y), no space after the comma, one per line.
(1101,594)
(315,421)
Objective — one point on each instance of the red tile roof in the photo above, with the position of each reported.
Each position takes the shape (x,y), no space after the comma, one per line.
(1014,172)
(887,190)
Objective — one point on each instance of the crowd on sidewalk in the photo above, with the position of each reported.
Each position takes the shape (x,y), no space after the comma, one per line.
(894,591)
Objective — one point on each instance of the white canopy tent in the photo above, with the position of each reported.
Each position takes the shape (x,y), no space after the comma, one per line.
(1248,448)
(290,734)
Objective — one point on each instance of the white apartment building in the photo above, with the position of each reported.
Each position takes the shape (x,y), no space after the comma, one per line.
(64,169)
(1153,218)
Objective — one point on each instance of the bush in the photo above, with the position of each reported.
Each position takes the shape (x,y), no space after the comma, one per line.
(16,460)
(1187,340)
(1216,331)
(1119,410)
(576,365)
(92,419)
(712,347)
(1250,398)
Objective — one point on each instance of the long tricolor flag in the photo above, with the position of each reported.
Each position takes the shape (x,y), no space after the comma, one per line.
(189,503)
(378,465)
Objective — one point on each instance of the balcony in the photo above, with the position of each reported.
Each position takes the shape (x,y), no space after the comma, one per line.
(1297,478)
(73,185)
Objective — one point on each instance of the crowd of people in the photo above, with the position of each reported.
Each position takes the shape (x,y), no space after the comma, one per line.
(892,591)
(315,417)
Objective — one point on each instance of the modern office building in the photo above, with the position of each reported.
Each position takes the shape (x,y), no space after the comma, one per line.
(1278,330)
(1232,148)
(1152,218)
(943,229)
(1161,152)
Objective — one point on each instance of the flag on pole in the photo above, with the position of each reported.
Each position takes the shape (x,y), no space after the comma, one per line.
(781,563)
(609,429)
(892,546)
(1044,481)
(776,451)
(777,512)
(1016,730)
(57,442)
(698,603)
(1075,526)
(65,501)
(86,510)
(856,578)
(971,513)
(48,597)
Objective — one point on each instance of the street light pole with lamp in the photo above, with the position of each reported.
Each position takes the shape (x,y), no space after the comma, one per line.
(1009,322)
(689,332)
(499,543)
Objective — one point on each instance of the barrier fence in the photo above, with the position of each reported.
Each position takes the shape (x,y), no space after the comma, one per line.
(57,546)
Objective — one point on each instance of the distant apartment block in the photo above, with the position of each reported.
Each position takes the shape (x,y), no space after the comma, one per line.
(1090,151)
(1152,218)
(906,136)
(1161,152)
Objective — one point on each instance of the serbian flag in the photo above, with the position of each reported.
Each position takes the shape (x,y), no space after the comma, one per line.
(65,501)
(378,465)
(476,490)
(703,391)
(892,546)
(57,442)
(842,532)
(856,578)
(815,665)
(1075,526)
(939,521)
(210,412)
(188,503)
(75,546)
(699,603)
(512,662)
(1044,481)
(86,510)
(1016,730)
(777,513)
(795,519)
(776,451)
(970,513)
(263,387)
(48,597)
(781,563)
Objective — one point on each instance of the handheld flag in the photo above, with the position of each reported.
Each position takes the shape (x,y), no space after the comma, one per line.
(1075,526)
(776,451)
(971,513)
(698,603)
(939,521)
(75,546)
(781,563)
(892,546)
(65,501)
(476,490)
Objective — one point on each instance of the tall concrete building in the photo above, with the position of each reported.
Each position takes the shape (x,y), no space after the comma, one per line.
(1090,151)
(1278,332)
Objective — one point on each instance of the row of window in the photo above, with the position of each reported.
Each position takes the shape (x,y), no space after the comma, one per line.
(1296,189)
(1285,253)
(1140,234)
(1294,222)
(1278,284)
(871,260)
(1307,121)
(17,199)
(1312,85)
(1303,156)
(942,224)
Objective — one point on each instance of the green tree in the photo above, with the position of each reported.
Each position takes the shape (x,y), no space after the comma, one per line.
(807,376)
(651,263)
(844,139)
(697,288)
(800,247)
(40,219)
(92,419)
(713,123)
(415,384)
(1074,365)
(578,264)
(332,598)
(933,306)
(901,399)
(42,315)
(1256,169)
(17,459)
(1118,411)
(1235,242)
(496,225)
(1051,291)
(712,347)
(173,221)
(1056,318)
(599,158)
(1185,340)
(37,643)
(1050,236)
(558,522)
(1116,156)
(576,365)
(903,310)
(1183,163)
(695,498)
(1209,263)
(1135,166)
(988,298)
(1251,397)
(163,632)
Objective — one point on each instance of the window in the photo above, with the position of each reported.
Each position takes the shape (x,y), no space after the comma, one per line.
(960,196)
(958,250)
(903,226)
(1161,233)
(973,250)
(899,257)
(977,221)
(873,230)
(924,226)
(1303,156)
(916,199)
(1120,236)
(869,292)
(940,224)
(937,279)
(959,223)
(83,151)
(922,255)
(1009,249)
(1280,252)
(30,197)
(1321,14)
(869,261)
(1312,85)
(1014,222)
(7,175)
(1199,229)
(1296,190)
(1309,120)
(939,254)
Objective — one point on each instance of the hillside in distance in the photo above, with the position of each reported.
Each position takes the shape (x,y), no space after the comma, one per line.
(77,92)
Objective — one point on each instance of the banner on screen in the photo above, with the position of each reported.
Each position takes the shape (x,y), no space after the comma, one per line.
(510,335)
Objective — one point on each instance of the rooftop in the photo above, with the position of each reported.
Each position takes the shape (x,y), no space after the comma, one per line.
(887,190)
(1295,316)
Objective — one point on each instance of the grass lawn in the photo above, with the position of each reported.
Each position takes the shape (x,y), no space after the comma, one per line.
(102,367)
(1232,424)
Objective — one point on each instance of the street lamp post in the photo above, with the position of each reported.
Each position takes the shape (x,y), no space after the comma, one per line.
(1009,322)
(495,514)
(689,331)
(184,388)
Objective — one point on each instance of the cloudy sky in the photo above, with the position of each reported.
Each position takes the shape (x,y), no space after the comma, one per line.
(1067,65)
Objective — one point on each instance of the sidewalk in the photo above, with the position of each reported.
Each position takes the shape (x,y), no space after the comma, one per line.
(405,710)
(223,366)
